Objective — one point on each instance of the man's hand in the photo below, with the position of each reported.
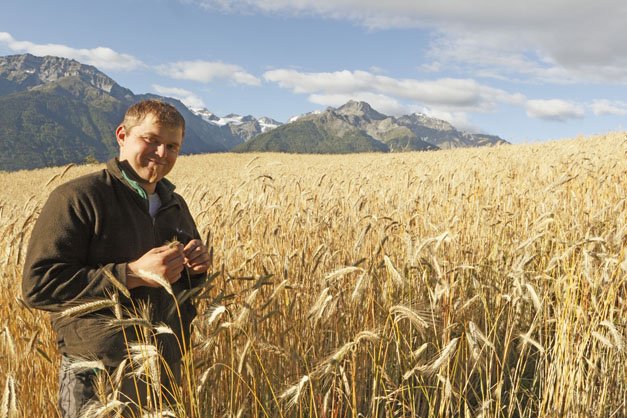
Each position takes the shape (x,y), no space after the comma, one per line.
(196,257)
(167,261)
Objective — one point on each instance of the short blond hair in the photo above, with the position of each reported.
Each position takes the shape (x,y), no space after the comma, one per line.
(165,114)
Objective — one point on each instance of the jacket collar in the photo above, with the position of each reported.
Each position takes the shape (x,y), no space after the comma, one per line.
(125,174)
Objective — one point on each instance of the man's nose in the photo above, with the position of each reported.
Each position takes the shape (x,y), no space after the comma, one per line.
(161,150)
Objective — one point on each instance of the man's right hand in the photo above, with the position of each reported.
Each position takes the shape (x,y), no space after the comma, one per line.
(166,261)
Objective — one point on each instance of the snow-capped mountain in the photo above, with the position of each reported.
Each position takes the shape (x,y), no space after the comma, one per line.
(268,124)
(206,115)
(244,127)
(296,117)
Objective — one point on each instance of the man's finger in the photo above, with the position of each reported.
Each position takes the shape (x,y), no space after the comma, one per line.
(198,253)
(172,254)
(198,268)
(194,248)
(193,245)
(199,264)
(164,247)
(174,274)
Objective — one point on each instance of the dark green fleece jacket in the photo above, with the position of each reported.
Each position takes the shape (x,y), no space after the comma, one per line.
(100,222)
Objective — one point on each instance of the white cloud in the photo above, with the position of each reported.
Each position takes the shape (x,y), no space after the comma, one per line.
(491,55)
(549,39)
(207,71)
(554,109)
(100,57)
(447,94)
(187,97)
(607,107)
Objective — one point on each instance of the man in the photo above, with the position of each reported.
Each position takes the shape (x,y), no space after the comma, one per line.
(117,229)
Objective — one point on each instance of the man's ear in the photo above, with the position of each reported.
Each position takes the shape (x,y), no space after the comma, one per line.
(120,134)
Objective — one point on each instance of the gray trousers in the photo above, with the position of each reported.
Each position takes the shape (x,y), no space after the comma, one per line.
(76,389)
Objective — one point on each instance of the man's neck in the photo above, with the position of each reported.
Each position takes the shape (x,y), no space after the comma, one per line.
(132,177)
(150,188)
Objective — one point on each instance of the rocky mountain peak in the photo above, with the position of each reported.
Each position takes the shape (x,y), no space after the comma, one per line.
(268,121)
(415,131)
(425,121)
(359,109)
(205,114)
(27,71)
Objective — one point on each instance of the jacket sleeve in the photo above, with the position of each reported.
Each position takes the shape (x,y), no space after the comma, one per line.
(56,272)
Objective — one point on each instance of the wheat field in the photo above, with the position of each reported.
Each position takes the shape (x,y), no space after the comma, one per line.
(484,282)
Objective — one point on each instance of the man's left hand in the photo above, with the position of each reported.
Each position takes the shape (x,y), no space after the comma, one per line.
(196,256)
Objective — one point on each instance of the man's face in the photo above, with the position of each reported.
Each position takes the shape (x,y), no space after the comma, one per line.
(150,149)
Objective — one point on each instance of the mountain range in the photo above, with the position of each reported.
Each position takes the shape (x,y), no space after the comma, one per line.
(244,127)
(55,111)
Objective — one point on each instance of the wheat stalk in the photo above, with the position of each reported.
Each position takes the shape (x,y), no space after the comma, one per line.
(8,406)
(157,278)
(115,282)
(88,307)
(293,393)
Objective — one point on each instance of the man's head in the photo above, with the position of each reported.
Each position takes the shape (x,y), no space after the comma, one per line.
(150,138)
(165,114)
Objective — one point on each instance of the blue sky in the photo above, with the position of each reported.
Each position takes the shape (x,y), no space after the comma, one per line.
(526,71)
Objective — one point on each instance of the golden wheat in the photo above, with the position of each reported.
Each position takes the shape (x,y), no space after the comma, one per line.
(484,282)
